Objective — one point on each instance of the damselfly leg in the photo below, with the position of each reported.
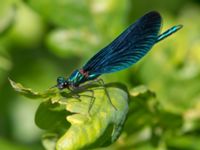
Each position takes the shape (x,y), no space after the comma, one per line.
(102,86)
(77,96)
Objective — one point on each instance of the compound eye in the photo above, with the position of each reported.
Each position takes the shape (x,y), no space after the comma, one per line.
(60,80)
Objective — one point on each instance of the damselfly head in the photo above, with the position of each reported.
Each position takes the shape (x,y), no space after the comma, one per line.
(62,83)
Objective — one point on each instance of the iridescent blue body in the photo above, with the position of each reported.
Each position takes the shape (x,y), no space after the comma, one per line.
(128,48)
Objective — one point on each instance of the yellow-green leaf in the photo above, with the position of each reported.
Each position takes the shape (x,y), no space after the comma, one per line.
(103,125)
(90,128)
(29,92)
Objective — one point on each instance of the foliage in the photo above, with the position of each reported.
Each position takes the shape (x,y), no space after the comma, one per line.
(101,126)
(40,40)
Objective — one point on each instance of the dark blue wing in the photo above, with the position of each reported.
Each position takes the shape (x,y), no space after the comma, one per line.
(128,47)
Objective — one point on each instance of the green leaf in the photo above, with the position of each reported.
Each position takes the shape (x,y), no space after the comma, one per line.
(142,107)
(30,93)
(66,42)
(49,141)
(184,142)
(104,11)
(141,90)
(7,16)
(23,24)
(51,116)
(60,13)
(102,127)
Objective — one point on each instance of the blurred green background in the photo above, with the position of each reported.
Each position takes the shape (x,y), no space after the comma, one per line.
(43,39)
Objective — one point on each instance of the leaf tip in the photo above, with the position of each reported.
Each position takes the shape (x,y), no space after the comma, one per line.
(12,83)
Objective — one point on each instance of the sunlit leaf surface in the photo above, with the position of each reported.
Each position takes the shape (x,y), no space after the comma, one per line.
(100,126)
